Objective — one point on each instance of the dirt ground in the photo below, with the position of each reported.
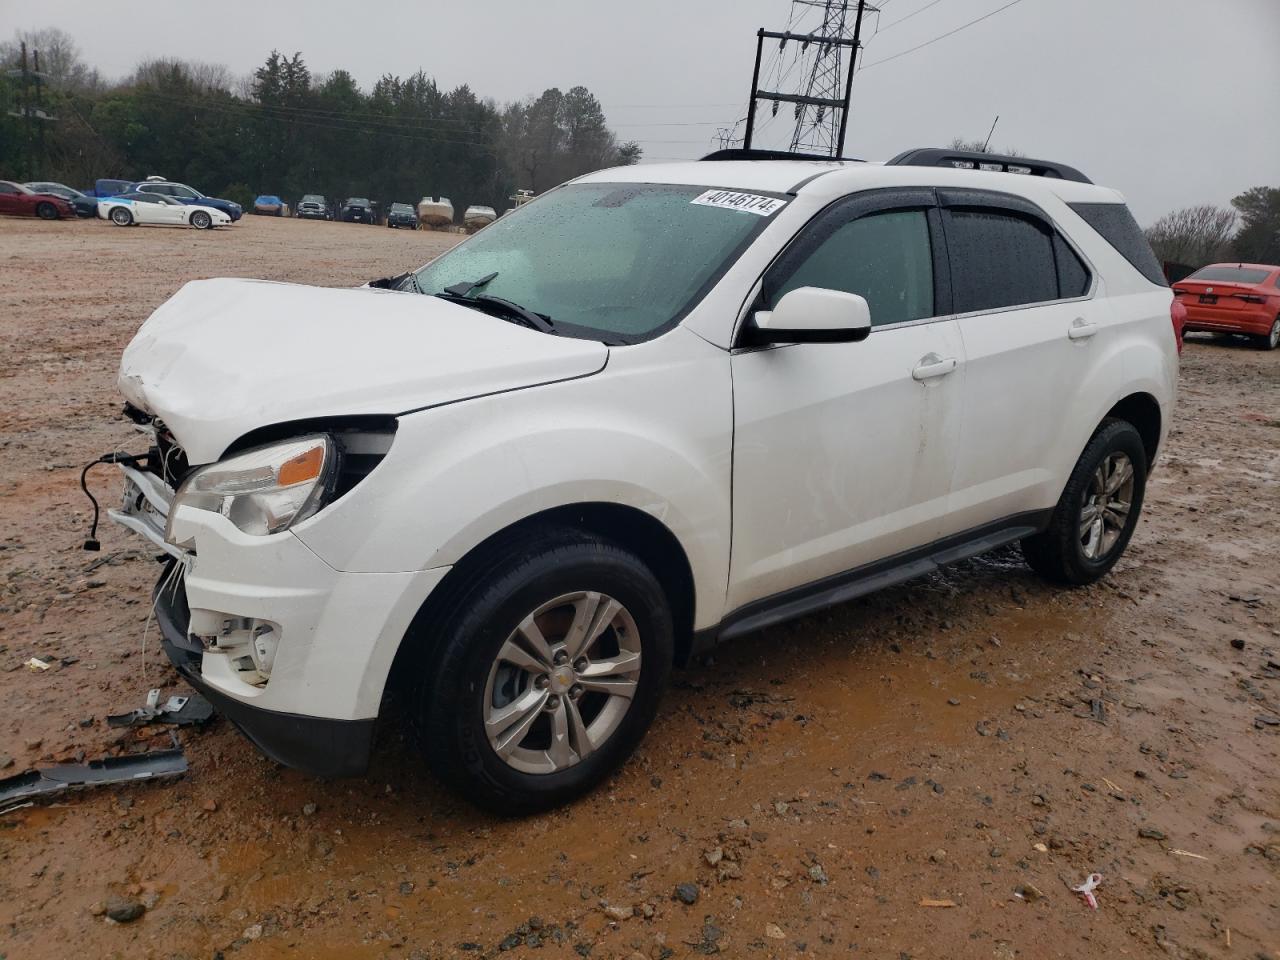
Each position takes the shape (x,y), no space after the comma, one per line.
(976,739)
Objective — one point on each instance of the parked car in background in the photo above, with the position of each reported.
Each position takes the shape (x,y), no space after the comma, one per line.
(84,206)
(17,200)
(313,206)
(1232,298)
(190,195)
(402,215)
(109,188)
(656,408)
(153,208)
(477,218)
(268,204)
(357,210)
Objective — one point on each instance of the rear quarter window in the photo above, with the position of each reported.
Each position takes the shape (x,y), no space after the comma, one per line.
(1116,225)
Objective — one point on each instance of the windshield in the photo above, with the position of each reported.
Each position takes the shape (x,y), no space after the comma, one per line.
(357,202)
(1230,275)
(401,208)
(623,260)
(312,198)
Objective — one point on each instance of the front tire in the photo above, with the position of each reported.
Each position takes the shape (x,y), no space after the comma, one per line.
(1098,510)
(46,211)
(547,673)
(121,217)
(201,220)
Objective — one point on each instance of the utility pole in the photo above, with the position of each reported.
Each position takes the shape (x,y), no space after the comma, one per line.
(32,114)
(821,105)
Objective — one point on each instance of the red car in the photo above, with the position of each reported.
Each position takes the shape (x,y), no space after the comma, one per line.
(1234,298)
(19,201)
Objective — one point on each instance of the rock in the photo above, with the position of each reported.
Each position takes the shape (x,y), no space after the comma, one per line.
(309,809)
(996,852)
(123,909)
(1029,892)
(252,932)
(6,762)
(686,893)
(97,908)
(1151,833)
(714,856)
(938,856)
(406,888)
(774,932)
(817,874)
(619,912)
(210,806)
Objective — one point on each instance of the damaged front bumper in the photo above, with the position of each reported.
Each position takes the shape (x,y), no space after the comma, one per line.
(319,746)
(293,651)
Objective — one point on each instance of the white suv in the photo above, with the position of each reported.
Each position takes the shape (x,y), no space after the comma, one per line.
(658,407)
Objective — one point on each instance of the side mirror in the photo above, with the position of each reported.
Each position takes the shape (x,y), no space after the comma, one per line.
(813,315)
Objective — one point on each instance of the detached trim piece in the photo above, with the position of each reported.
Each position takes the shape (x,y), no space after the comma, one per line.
(70,776)
(970,159)
(869,578)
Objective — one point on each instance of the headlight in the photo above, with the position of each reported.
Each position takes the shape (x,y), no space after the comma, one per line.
(266,490)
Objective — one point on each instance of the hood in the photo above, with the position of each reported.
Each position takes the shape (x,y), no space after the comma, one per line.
(223,357)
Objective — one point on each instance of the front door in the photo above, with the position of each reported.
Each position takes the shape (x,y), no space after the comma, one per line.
(843,452)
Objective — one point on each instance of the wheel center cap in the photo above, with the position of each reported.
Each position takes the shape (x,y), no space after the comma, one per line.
(562,678)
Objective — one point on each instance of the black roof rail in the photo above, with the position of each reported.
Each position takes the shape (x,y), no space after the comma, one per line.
(737,153)
(973,160)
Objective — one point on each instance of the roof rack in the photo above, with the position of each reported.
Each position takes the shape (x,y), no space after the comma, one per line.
(737,153)
(996,162)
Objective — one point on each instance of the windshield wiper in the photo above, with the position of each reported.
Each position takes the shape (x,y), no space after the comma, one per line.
(503,309)
(466,286)
(535,320)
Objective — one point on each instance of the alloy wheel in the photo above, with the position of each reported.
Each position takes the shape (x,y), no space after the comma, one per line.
(1107,503)
(1274,339)
(562,682)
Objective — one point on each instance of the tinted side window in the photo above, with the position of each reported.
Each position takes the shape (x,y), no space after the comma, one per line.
(185,192)
(1116,225)
(5,188)
(885,257)
(999,259)
(1073,275)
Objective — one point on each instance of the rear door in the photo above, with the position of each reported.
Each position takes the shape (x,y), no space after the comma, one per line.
(1032,330)
(843,452)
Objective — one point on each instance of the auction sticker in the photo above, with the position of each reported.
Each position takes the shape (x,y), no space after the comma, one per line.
(748,202)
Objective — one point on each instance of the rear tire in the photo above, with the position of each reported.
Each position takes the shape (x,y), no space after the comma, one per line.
(46,211)
(1269,341)
(121,217)
(554,579)
(1098,510)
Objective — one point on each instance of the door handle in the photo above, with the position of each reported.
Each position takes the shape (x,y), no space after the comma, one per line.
(1081,329)
(931,365)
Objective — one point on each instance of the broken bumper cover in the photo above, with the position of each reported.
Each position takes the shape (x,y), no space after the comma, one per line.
(318,746)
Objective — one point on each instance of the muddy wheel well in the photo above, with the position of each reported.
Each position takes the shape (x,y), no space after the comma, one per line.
(1141,410)
(627,527)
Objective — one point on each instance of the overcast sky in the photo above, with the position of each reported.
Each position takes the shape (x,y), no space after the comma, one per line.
(1174,102)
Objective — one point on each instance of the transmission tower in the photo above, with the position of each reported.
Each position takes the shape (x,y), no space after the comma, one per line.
(826,57)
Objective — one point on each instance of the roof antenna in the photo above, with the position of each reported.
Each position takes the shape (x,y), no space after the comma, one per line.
(986,143)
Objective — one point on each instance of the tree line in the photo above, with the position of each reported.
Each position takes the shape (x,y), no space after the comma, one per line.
(287,131)
(1249,232)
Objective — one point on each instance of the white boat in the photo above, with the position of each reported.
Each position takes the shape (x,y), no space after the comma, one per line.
(477,218)
(435,212)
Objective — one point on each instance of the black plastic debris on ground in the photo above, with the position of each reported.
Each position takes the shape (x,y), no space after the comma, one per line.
(180,711)
(157,764)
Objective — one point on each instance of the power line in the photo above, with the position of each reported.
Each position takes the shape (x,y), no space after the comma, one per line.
(932,3)
(963,26)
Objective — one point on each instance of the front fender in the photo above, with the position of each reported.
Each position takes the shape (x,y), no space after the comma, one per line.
(653,431)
